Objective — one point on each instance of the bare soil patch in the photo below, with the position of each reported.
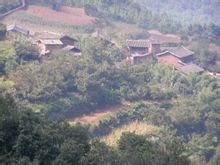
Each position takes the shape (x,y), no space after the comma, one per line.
(214,48)
(68,15)
(96,116)
(164,38)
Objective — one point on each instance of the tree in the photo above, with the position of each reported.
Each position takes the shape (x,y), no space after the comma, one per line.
(100,154)
(2,31)
(136,150)
(70,153)
(25,51)
(9,124)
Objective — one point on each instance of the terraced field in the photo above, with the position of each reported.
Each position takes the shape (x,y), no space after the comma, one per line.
(5,2)
(68,15)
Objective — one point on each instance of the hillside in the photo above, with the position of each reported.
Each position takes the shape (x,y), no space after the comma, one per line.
(109,82)
(187,12)
(8,7)
(6,2)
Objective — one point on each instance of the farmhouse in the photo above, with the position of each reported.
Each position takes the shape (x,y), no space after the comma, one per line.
(17,29)
(183,54)
(191,68)
(168,58)
(177,57)
(181,59)
(140,50)
(48,41)
(72,49)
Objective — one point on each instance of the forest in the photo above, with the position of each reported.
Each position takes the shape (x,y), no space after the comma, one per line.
(67,86)
(6,6)
(29,138)
(38,99)
(197,11)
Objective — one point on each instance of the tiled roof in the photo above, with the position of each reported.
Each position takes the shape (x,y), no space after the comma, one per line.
(191,68)
(47,35)
(163,53)
(17,28)
(51,42)
(154,41)
(138,43)
(140,54)
(182,52)
(68,48)
(169,59)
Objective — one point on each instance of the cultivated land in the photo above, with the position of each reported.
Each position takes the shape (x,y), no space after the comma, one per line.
(164,38)
(5,2)
(67,15)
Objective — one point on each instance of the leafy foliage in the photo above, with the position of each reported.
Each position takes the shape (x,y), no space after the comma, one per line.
(26,137)
(2,31)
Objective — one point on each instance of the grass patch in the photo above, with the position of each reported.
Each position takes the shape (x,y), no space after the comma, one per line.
(137,127)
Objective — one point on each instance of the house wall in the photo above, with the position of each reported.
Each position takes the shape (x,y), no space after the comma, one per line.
(139,60)
(135,49)
(67,41)
(188,59)
(52,47)
(154,48)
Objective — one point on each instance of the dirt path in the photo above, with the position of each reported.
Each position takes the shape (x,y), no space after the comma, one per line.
(96,116)
(99,115)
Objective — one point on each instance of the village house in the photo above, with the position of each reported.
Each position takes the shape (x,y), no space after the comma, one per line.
(72,49)
(181,59)
(140,50)
(48,41)
(177,57)
(15,28)
(191,68)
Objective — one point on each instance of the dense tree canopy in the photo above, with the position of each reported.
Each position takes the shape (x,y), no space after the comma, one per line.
(26,137)
(2,31)
(68,86)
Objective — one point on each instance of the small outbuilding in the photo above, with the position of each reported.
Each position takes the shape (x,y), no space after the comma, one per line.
(17,29)
(191,68)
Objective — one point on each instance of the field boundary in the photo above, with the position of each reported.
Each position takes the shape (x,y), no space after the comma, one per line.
(23,4)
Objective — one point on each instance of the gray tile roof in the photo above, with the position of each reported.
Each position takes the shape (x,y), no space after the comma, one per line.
(47,35)
(51,41)
(182,52)
(138,43)
(17,28)
(191,68)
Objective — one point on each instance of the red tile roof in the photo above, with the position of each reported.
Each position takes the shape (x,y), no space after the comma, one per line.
(170,60)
